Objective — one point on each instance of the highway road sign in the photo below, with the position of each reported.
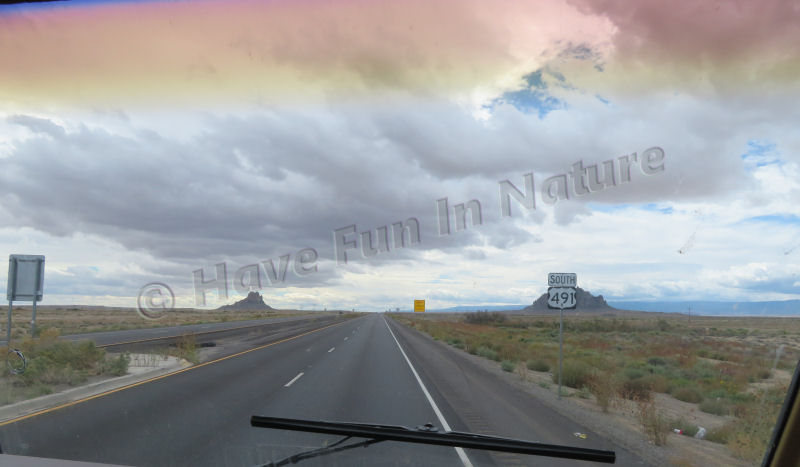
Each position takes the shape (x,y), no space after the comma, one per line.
(419,306)
(562,279)
(561,298)
(25,283)
(25,278)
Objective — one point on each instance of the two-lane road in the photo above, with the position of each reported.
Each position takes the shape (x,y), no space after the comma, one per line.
(349,371)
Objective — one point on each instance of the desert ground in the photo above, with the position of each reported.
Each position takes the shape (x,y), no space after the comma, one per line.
(654,372)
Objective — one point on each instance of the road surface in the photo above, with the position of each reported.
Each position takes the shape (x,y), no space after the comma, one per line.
(347,371)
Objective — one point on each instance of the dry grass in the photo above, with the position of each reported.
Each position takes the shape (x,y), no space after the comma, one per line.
(728,367)
(654,424)
(186,348)
(53,364)
(80,320)
(605,390)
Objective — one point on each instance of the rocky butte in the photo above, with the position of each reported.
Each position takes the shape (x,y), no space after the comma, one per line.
(253,302)
(586,302)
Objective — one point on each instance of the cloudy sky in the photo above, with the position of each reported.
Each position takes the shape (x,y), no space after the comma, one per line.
(143,141)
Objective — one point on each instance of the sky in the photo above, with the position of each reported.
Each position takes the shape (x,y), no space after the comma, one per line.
(145,141)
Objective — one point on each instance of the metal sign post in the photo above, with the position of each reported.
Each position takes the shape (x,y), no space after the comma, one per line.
(25,283)
(561,296)
(560,348)
(8,326)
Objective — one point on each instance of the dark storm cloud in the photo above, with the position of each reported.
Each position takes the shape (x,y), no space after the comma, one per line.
(258,186)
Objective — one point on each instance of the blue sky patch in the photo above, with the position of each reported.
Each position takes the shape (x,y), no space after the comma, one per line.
(783,219)
(534,96)
(760,153)
(607,207)
(653,207)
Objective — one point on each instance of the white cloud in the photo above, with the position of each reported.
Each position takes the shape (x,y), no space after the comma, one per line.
(121,193)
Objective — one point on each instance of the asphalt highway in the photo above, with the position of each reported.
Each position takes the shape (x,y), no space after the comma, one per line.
(368,370)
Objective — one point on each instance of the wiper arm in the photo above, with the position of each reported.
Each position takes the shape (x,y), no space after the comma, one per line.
(330,449)
(428,434)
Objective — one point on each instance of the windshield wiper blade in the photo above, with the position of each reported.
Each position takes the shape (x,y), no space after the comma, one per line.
(428,434)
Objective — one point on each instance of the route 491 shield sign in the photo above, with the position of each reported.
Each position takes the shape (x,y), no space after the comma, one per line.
(561,298)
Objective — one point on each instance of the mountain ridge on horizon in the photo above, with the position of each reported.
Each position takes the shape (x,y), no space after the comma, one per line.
(776,308)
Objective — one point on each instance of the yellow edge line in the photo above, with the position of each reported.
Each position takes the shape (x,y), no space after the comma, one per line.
(113,344)
(112,391)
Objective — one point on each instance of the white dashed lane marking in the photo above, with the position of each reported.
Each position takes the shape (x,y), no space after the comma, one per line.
(293,380)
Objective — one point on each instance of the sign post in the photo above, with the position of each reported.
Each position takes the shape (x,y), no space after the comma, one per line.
(26,283)
(561,296)
(419,306)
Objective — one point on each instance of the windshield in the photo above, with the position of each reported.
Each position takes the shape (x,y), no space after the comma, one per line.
(566,222)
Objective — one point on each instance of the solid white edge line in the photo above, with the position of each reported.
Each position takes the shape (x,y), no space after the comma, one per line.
(293,380)
(461,454)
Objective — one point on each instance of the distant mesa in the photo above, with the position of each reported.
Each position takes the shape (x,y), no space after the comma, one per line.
(253,302)
(586,302)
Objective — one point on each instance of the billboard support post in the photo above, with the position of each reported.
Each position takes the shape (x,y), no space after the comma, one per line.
(8,326)
(33,320)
